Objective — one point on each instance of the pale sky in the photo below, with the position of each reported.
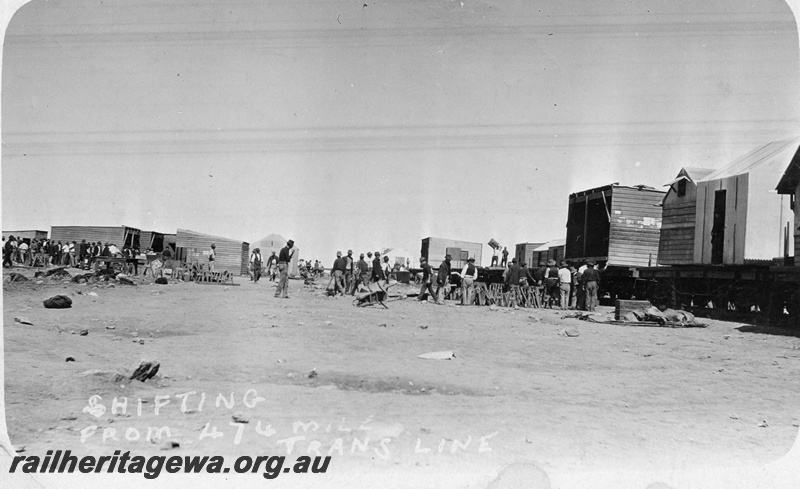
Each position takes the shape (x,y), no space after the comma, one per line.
(358,125)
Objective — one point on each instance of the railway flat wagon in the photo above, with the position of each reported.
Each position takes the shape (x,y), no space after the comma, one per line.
(619,228)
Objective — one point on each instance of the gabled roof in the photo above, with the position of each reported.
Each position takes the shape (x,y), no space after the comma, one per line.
(693,174)
(791,177)
(208,236)
(762,156)
(550,244)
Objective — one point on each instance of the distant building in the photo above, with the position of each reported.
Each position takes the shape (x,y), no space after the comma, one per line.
(26,235)
(524,252)
(274,242)
(434,250)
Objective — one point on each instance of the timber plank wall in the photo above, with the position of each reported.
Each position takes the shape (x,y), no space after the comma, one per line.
(676,244)
(231,255)
(437,248)
(635,228)
(524,253)
(104,234)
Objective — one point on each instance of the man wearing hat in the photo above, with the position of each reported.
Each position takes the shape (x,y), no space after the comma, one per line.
(362,274)
(427,279)
(590,279)
(338,274)
(349,266)
(551,284)
(255,264)
(564,284)
(443,279)
(212,257)
(284,258)
(469,274)
(377,271)
(512,275)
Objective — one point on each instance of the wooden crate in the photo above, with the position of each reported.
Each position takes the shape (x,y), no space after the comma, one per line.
(623,307)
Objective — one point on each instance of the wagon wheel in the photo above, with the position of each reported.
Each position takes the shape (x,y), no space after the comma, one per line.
(661,293)
(792,301)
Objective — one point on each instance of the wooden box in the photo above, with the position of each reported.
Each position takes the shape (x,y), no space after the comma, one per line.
(623,307)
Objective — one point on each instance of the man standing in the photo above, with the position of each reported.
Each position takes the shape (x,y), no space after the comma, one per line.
(349,265)
(580,292)
(377,271)
(443,280)
(284,258)
(255,263)
(387,268)
(272,264)
(362,274)
(494,257)
(591,277)
(369,263)
(564,284)
(504,262)
(8,250)
(512,275)
(212,257)
(469,274)
(82,254)
(337,273)
(65,253)
(73,254)
(427,286)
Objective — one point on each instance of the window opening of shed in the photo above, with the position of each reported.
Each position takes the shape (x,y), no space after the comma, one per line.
(681,187)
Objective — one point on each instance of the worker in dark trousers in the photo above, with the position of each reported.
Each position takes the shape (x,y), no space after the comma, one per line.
(427,280)
(443,280)
(377,271)
(255,263)
(349,267)
(591,279)
(362,274)
(284,258)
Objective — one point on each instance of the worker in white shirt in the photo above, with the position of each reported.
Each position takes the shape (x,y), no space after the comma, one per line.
(65,253)
(469,274)
(564,284)
(255,264)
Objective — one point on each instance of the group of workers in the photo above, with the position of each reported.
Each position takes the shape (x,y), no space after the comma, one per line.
(559,285)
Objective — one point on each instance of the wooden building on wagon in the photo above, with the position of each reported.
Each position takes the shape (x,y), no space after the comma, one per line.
(231,255)
(678,209)
(524,252)
(740,218)
(552,250)
(434,250)
(789,185)
(26,235)
(153,240)
(556,250)
(121,236)
(614,225)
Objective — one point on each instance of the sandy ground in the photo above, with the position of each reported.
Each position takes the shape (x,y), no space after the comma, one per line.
(616,406)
